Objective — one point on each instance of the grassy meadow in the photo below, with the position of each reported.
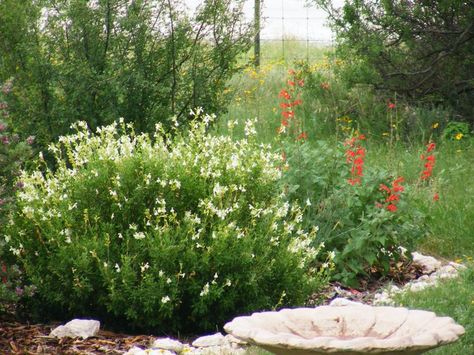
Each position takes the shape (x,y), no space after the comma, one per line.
(451,214)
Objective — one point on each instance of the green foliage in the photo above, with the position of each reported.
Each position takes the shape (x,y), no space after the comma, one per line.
(456,130)
(421,50)
(143,60)
(176,234)
(333,105)
(354,220)
(14,151)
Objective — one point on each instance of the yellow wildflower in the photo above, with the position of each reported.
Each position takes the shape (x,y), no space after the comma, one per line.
(435,125)
(459,136)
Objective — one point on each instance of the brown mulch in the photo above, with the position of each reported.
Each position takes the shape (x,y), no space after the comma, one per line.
(18,338)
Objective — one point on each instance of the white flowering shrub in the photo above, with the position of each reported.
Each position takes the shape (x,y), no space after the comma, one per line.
(172,233)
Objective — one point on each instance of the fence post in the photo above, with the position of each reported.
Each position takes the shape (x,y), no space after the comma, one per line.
(257,32)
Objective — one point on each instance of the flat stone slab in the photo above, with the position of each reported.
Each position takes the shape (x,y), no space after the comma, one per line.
(347,329)
(77,328)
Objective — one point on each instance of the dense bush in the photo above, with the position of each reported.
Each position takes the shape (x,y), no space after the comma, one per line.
(143,60)
(423,50)
(363,213)
(169,234)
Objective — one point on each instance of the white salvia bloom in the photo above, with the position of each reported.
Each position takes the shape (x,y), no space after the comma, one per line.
(165,299)
(132,226)
(120,236)
(139,235)
(331,255)
(228,282)
(249,129)
(216,275)
(106,265)
(144,267)
(68,240)
(117,267)
(205,290)
(308,202)
(161,273)
(168,280)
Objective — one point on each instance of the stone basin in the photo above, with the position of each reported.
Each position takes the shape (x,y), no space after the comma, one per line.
(345,330)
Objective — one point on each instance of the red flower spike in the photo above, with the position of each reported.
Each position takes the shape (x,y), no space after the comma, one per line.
(291,83)
(288,114)
(436,197)
(391,105)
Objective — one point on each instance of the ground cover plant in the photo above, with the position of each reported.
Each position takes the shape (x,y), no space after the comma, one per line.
(174,234)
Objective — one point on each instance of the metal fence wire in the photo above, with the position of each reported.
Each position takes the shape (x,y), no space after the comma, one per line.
(288,23)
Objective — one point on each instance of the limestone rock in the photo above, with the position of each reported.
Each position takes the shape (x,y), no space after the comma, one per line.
(168,344)
(139,351)
(427,263)
(82,328)
(341,301)
(209,340)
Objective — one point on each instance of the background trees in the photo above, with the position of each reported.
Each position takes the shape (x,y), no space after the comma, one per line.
(423,50)
(144,60)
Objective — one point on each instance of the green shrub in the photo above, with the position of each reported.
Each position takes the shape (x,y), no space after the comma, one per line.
(363,217)
(170,234)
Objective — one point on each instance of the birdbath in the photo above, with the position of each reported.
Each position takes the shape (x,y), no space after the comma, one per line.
(345,330)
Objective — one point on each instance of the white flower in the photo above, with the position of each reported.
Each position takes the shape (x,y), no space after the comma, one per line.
(144,267)
(165,299)
(161,273)
(228,282)
(139,235)
(331,255)
(308,202)
(168,280)
(117,267)
(205,290)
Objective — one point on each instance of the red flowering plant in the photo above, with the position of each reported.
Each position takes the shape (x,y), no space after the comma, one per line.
(289,101)
(361,217)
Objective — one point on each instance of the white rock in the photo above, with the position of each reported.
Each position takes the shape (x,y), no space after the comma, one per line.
(233,340)
(139,351)
(168,344)
(457,265)
(341,301)
(83,328)
(209,340)
(428,263)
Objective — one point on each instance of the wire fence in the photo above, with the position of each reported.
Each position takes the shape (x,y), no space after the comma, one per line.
(290,30)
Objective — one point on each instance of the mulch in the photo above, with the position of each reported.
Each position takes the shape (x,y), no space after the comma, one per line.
(20,338)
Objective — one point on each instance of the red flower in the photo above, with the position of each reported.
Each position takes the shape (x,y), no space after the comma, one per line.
(436,197)
(354,181)
(284,105)
(385,188)
(291,72)
(301,83)
(392,208)
(391,105)
(284,123)
(302,135)
(288,114)
(291,83)
(431,146)
(284,94)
